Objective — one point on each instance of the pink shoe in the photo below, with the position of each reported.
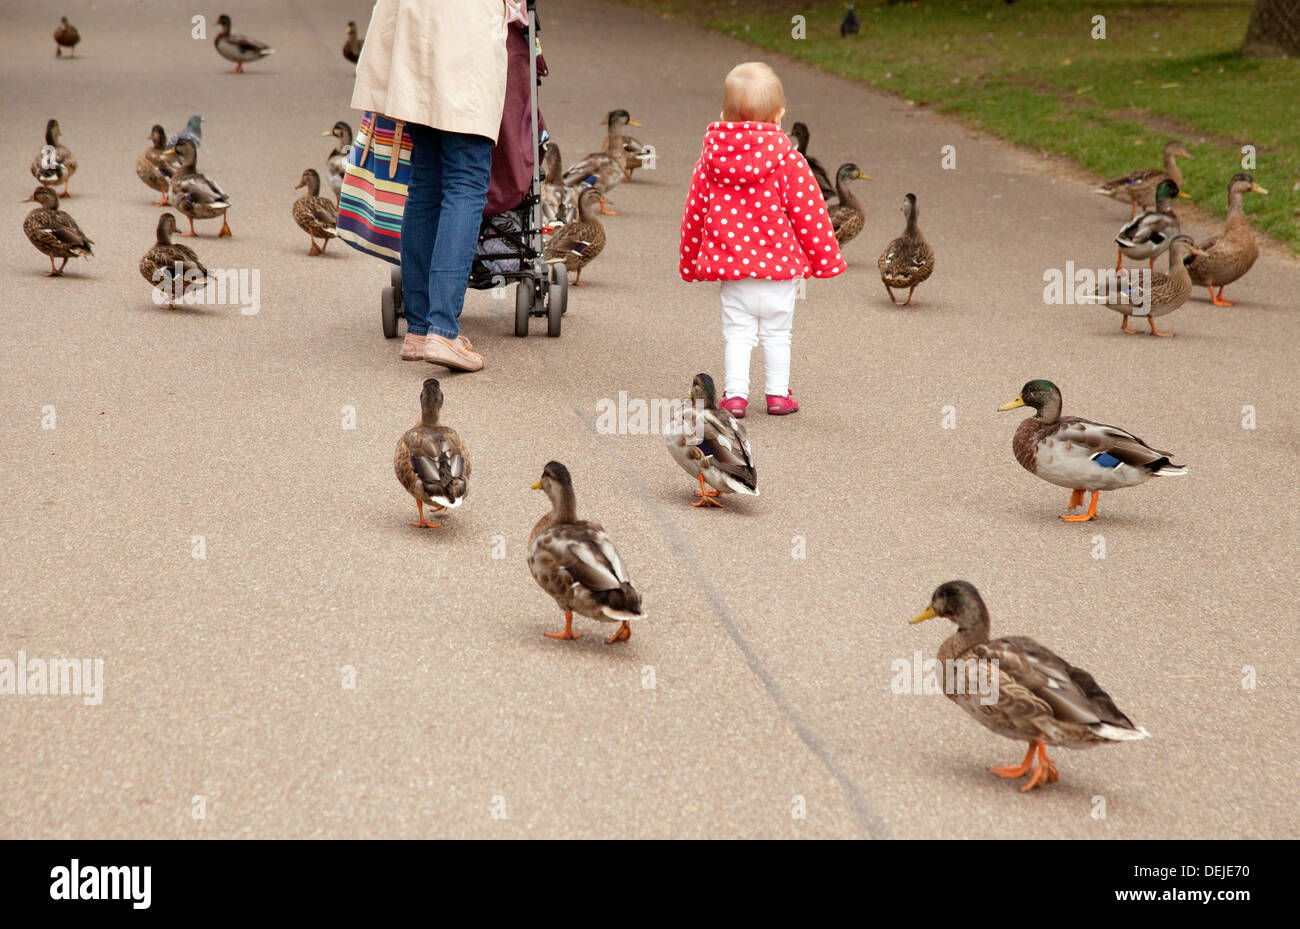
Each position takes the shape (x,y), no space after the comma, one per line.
(735,406)
(782,406)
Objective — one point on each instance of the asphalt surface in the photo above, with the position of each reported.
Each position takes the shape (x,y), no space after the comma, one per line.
(771,674)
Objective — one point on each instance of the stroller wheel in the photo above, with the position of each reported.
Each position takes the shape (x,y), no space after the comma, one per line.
(554,311)
(559,288)
(523,306)
(395,278)
(388,311)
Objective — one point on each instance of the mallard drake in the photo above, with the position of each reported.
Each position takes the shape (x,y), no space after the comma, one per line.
(847,216)
(193,131)
(1077,453)
(604,169)
(1139,187)
(1149,234)
(576,243)
(336,165)
(1167,292)
(909,259)
(238,48)
(315,215)
(53,231)
(154,166)
(1229,255)
(574,561)
(559,201)
(193,194)
(799,136)
(431,460)
(54,162)
(159,265)
(66,36)
(352,46)
(711,446)
(1040,697)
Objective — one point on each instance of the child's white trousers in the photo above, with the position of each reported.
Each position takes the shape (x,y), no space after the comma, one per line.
(758,310)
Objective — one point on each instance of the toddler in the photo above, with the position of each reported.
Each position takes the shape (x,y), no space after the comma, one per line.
(755,220)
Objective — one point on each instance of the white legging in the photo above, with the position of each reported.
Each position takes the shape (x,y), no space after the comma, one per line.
(754,311)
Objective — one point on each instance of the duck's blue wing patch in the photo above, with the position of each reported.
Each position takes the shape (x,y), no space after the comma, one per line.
(1106,459)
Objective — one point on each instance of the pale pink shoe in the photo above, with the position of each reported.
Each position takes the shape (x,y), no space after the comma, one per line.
(734,405)
(413,348)
(451,354)
(782,406)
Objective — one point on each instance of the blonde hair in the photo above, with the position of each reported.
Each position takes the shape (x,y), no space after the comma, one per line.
(752,92)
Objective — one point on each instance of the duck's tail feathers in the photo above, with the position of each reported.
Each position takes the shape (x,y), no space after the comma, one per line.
(1166,468)
(1117,734)
(623,603)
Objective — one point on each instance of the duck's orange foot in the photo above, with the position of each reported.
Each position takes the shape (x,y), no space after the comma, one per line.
(315,249)
(1218,301)
(1156,332)
(707,500)
(1082,517)
(1016,770)
(568,632)
(162,202)
(425,524)
(1076,498)
(622,634)
(1045,773)
(225,229)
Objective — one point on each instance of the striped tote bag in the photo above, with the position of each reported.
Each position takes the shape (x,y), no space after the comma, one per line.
(374,188)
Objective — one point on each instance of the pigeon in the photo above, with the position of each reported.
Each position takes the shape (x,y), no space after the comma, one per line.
(849,25)
(193,131)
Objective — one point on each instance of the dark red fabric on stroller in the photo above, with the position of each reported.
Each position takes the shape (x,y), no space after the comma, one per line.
(514,155)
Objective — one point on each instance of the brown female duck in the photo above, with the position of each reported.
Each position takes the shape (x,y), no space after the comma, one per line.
(54,232)
(1226,257)
(847,217)
(1038,697)
(315,215)
(1139,187)
(431,460)
(154,166)
(909,259)
(161,264)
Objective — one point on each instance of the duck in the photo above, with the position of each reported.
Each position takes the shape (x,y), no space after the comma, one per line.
(847,216)
(53,231)
(238,48)
(154,166)
(909,259)
(1139,187)
(194,194)
(635,153)
(54,162)
(1164,294)
(431,460)
(193,131)
(1077,453)
(574,560)
(66,36)
(1229,255)
(352,46)
(559,201)
(799,136)
(336,165)
(576,243)
(604,169)
(315,215)
(711,446)
(159,264)
(1150,233)
(1041,698)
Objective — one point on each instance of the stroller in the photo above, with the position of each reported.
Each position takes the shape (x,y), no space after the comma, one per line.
(510,241)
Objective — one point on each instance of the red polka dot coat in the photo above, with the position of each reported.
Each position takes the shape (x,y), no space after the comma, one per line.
(754,210)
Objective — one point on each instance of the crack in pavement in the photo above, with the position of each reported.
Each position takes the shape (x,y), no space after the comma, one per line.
(869,821)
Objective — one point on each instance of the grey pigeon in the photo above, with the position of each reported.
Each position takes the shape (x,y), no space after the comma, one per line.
(193,131)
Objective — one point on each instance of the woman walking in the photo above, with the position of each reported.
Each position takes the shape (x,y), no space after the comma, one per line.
(440,68)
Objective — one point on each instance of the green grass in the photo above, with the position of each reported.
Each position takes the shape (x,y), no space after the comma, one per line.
(1032,74)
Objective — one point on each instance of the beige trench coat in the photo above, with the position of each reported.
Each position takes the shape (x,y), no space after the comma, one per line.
(439,63)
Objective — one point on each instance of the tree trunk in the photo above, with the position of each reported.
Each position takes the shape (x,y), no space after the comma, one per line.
(1274,30)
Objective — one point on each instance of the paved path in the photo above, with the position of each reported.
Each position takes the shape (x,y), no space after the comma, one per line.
(772,674)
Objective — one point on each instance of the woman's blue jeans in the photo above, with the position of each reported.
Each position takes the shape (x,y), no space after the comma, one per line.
(450,172)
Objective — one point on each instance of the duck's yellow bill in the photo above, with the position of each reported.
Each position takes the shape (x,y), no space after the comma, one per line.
(633,122)
(170,151)
(927,613)
(537,486)
(1014,404)
(1184,195)
(1256,189)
